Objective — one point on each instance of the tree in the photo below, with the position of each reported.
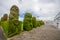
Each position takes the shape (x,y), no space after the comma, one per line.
(4,18)
(34,22)
(27,23)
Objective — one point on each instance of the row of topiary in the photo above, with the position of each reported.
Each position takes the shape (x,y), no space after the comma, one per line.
(31,22)
(12,26)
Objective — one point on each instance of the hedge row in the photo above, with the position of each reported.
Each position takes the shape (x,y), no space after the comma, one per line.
(31,22)
(12,29)
(39,23)
(0,23)
(34,22)
(5,27)
(13,26)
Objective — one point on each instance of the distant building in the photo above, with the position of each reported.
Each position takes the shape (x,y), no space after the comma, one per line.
(57,20)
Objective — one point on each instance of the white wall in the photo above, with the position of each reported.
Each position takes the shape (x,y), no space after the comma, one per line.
(55,24)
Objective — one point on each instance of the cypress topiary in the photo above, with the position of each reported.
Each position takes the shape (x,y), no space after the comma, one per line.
(13,19)
(14,13)
(27,24)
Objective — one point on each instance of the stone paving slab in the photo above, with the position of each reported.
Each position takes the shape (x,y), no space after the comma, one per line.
(46,32)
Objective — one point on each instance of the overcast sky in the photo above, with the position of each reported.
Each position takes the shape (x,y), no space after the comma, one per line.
(42,9)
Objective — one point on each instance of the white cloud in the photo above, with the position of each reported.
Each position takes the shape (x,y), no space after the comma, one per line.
(35,0)
(46,9)
(36,8)
(21,19)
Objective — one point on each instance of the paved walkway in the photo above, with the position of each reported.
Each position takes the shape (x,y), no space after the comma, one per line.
(2,37)
(46,32)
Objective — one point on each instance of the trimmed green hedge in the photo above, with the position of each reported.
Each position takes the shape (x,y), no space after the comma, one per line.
(39,23)
(5,26)
(0,23)
(13,28)
(27,23)
(34,22)
(20,28)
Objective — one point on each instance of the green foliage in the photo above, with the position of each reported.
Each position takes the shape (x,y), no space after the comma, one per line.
(0,22)
(5,27)
(14,24)
(34,22)
(27,24)
(15,27)
(14,13)
(28,15)
(39,23)
(20,27)
(11,27)
(4,18)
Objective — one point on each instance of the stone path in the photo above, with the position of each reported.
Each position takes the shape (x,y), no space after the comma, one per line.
(46,32)
(2,37)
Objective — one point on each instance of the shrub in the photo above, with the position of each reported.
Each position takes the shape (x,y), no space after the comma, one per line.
(11,27)
(34,22)
(4,18)
(27,24)
(13,21)
(39,23)
(15,27)
(20,27)
(5,26)
(14,13)
(0,23)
